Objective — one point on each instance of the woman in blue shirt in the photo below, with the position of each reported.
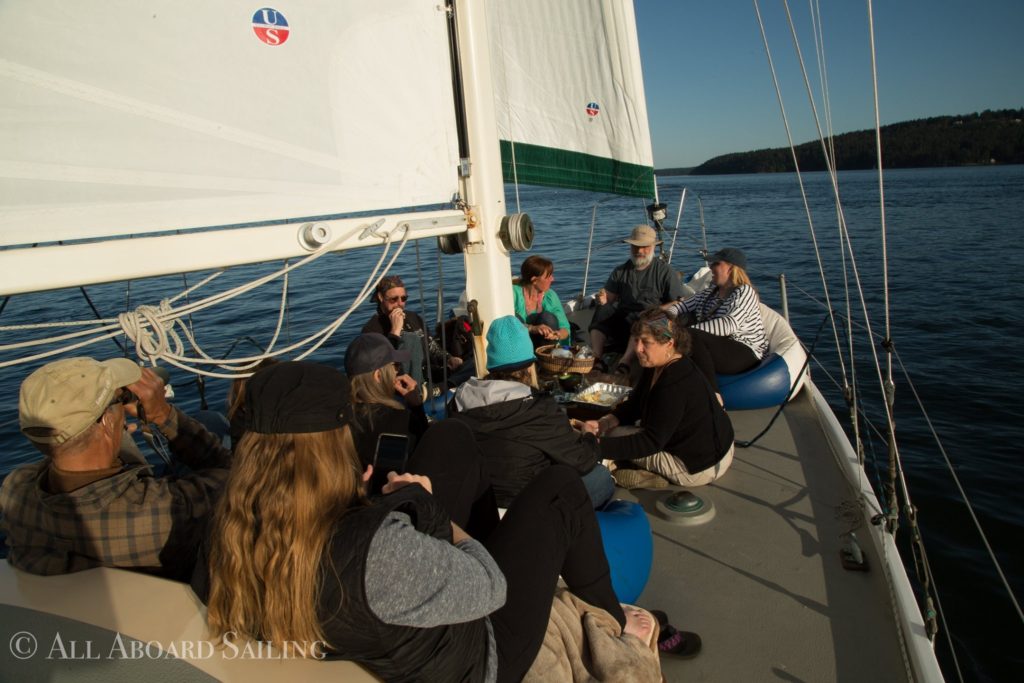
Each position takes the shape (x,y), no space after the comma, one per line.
(537,305)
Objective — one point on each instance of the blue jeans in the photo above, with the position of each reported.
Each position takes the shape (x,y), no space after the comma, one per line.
(600,485)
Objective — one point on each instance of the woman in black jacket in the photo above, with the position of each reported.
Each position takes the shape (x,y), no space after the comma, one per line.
(385,400)
(520,431)
(671,424)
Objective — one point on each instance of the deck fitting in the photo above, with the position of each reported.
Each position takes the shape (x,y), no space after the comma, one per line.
(685,507)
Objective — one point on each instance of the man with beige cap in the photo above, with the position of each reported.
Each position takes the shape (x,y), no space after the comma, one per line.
(640,283)
(93,500)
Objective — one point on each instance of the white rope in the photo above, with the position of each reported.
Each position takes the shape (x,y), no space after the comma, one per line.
(154,329)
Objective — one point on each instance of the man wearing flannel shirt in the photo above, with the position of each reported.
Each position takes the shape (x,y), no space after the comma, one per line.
(93,500)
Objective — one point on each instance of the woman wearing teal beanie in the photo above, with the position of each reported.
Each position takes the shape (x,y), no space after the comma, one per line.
(522,432)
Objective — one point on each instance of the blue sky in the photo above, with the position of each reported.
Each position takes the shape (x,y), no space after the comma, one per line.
(709,88)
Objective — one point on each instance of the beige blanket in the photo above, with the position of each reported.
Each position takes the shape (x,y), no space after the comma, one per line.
(585,644)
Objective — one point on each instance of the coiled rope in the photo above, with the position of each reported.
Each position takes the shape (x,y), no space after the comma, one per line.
(159,332)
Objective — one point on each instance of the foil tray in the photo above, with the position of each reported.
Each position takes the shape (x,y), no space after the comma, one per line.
(602,394)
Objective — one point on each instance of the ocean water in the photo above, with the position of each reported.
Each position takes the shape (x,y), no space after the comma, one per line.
(955,289)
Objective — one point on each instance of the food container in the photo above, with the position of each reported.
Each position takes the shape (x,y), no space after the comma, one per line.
(562,366)
(603,395)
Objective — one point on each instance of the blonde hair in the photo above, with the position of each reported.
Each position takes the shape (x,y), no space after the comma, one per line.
(369,387)
(739,276)
(236,392)
(283,497)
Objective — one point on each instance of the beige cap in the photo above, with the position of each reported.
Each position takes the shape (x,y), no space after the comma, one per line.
(643,236)
(62,399)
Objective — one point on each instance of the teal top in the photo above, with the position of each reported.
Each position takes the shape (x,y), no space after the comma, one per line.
(549,303)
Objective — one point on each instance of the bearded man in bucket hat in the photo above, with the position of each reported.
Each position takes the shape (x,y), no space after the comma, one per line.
(93,500)
(638,284)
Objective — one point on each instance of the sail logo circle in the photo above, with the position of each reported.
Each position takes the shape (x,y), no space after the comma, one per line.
(593,109)
(270,26)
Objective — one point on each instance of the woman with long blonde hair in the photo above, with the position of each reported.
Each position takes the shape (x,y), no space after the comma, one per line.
(384,398)
(300,557)
(726,330)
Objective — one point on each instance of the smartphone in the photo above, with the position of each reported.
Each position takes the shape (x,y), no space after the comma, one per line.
(390,456)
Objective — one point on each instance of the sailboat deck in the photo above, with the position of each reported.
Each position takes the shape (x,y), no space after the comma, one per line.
(762,581)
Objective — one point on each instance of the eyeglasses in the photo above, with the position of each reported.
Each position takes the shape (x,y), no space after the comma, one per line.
(395,299)
(123,395)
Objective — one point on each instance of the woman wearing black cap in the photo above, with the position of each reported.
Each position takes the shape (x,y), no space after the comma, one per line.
(384,398)
(726,329)
(300,557)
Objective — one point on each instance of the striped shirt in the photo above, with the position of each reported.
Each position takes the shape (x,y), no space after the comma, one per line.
(738,316)
(132,519)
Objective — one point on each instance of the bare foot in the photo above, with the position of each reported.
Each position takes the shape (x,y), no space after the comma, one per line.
(639,623)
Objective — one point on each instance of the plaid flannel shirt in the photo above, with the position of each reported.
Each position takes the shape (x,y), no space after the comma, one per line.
(132,519)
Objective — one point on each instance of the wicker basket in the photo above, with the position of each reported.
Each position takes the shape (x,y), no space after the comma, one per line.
(562,366)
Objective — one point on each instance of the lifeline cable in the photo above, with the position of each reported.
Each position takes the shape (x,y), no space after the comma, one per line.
(810,352)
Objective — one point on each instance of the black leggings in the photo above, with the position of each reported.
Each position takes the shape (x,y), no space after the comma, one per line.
(549,531)
(712,353)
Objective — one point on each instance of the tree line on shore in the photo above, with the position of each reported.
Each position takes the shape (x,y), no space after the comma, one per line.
(985,138)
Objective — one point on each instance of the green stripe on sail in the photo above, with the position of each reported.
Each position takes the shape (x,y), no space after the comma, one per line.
(536,165)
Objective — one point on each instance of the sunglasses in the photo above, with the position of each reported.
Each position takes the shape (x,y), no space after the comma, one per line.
(395,299)
(662,325)
(121,397)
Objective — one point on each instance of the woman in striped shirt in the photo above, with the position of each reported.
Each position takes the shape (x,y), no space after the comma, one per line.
(725,319)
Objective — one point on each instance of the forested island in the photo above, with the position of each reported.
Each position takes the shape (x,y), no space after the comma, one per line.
(989,137)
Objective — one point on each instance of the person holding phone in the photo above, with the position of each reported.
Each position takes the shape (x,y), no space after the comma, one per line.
(391,455)
(297,553)
(385,400)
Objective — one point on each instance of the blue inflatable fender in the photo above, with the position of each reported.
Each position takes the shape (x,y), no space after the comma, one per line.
(762,387)
(628,545)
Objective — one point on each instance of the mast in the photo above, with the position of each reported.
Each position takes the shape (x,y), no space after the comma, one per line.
(488,267)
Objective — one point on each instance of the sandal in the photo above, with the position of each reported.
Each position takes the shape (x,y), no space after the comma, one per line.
(682,644)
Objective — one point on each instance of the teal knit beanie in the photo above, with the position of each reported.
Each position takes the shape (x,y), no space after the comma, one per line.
(508,345)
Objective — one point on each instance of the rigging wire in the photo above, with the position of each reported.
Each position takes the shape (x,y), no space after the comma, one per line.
(963,492)
(99,316)
(426,337)
(200,382)
(796,163)
(896,473)
(809,351)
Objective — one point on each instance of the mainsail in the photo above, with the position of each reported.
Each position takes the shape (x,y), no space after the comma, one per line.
(569,95)
(129,118)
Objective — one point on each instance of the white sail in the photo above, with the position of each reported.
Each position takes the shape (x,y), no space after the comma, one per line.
(126,117)
(569,95)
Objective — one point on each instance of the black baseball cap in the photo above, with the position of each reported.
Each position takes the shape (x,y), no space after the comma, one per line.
(372,351)
(729,255)
(297,397)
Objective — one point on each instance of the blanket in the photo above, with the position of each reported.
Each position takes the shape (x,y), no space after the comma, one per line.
(584,643)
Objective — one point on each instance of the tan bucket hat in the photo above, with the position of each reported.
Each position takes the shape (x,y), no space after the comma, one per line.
(62,399)
(643,236)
